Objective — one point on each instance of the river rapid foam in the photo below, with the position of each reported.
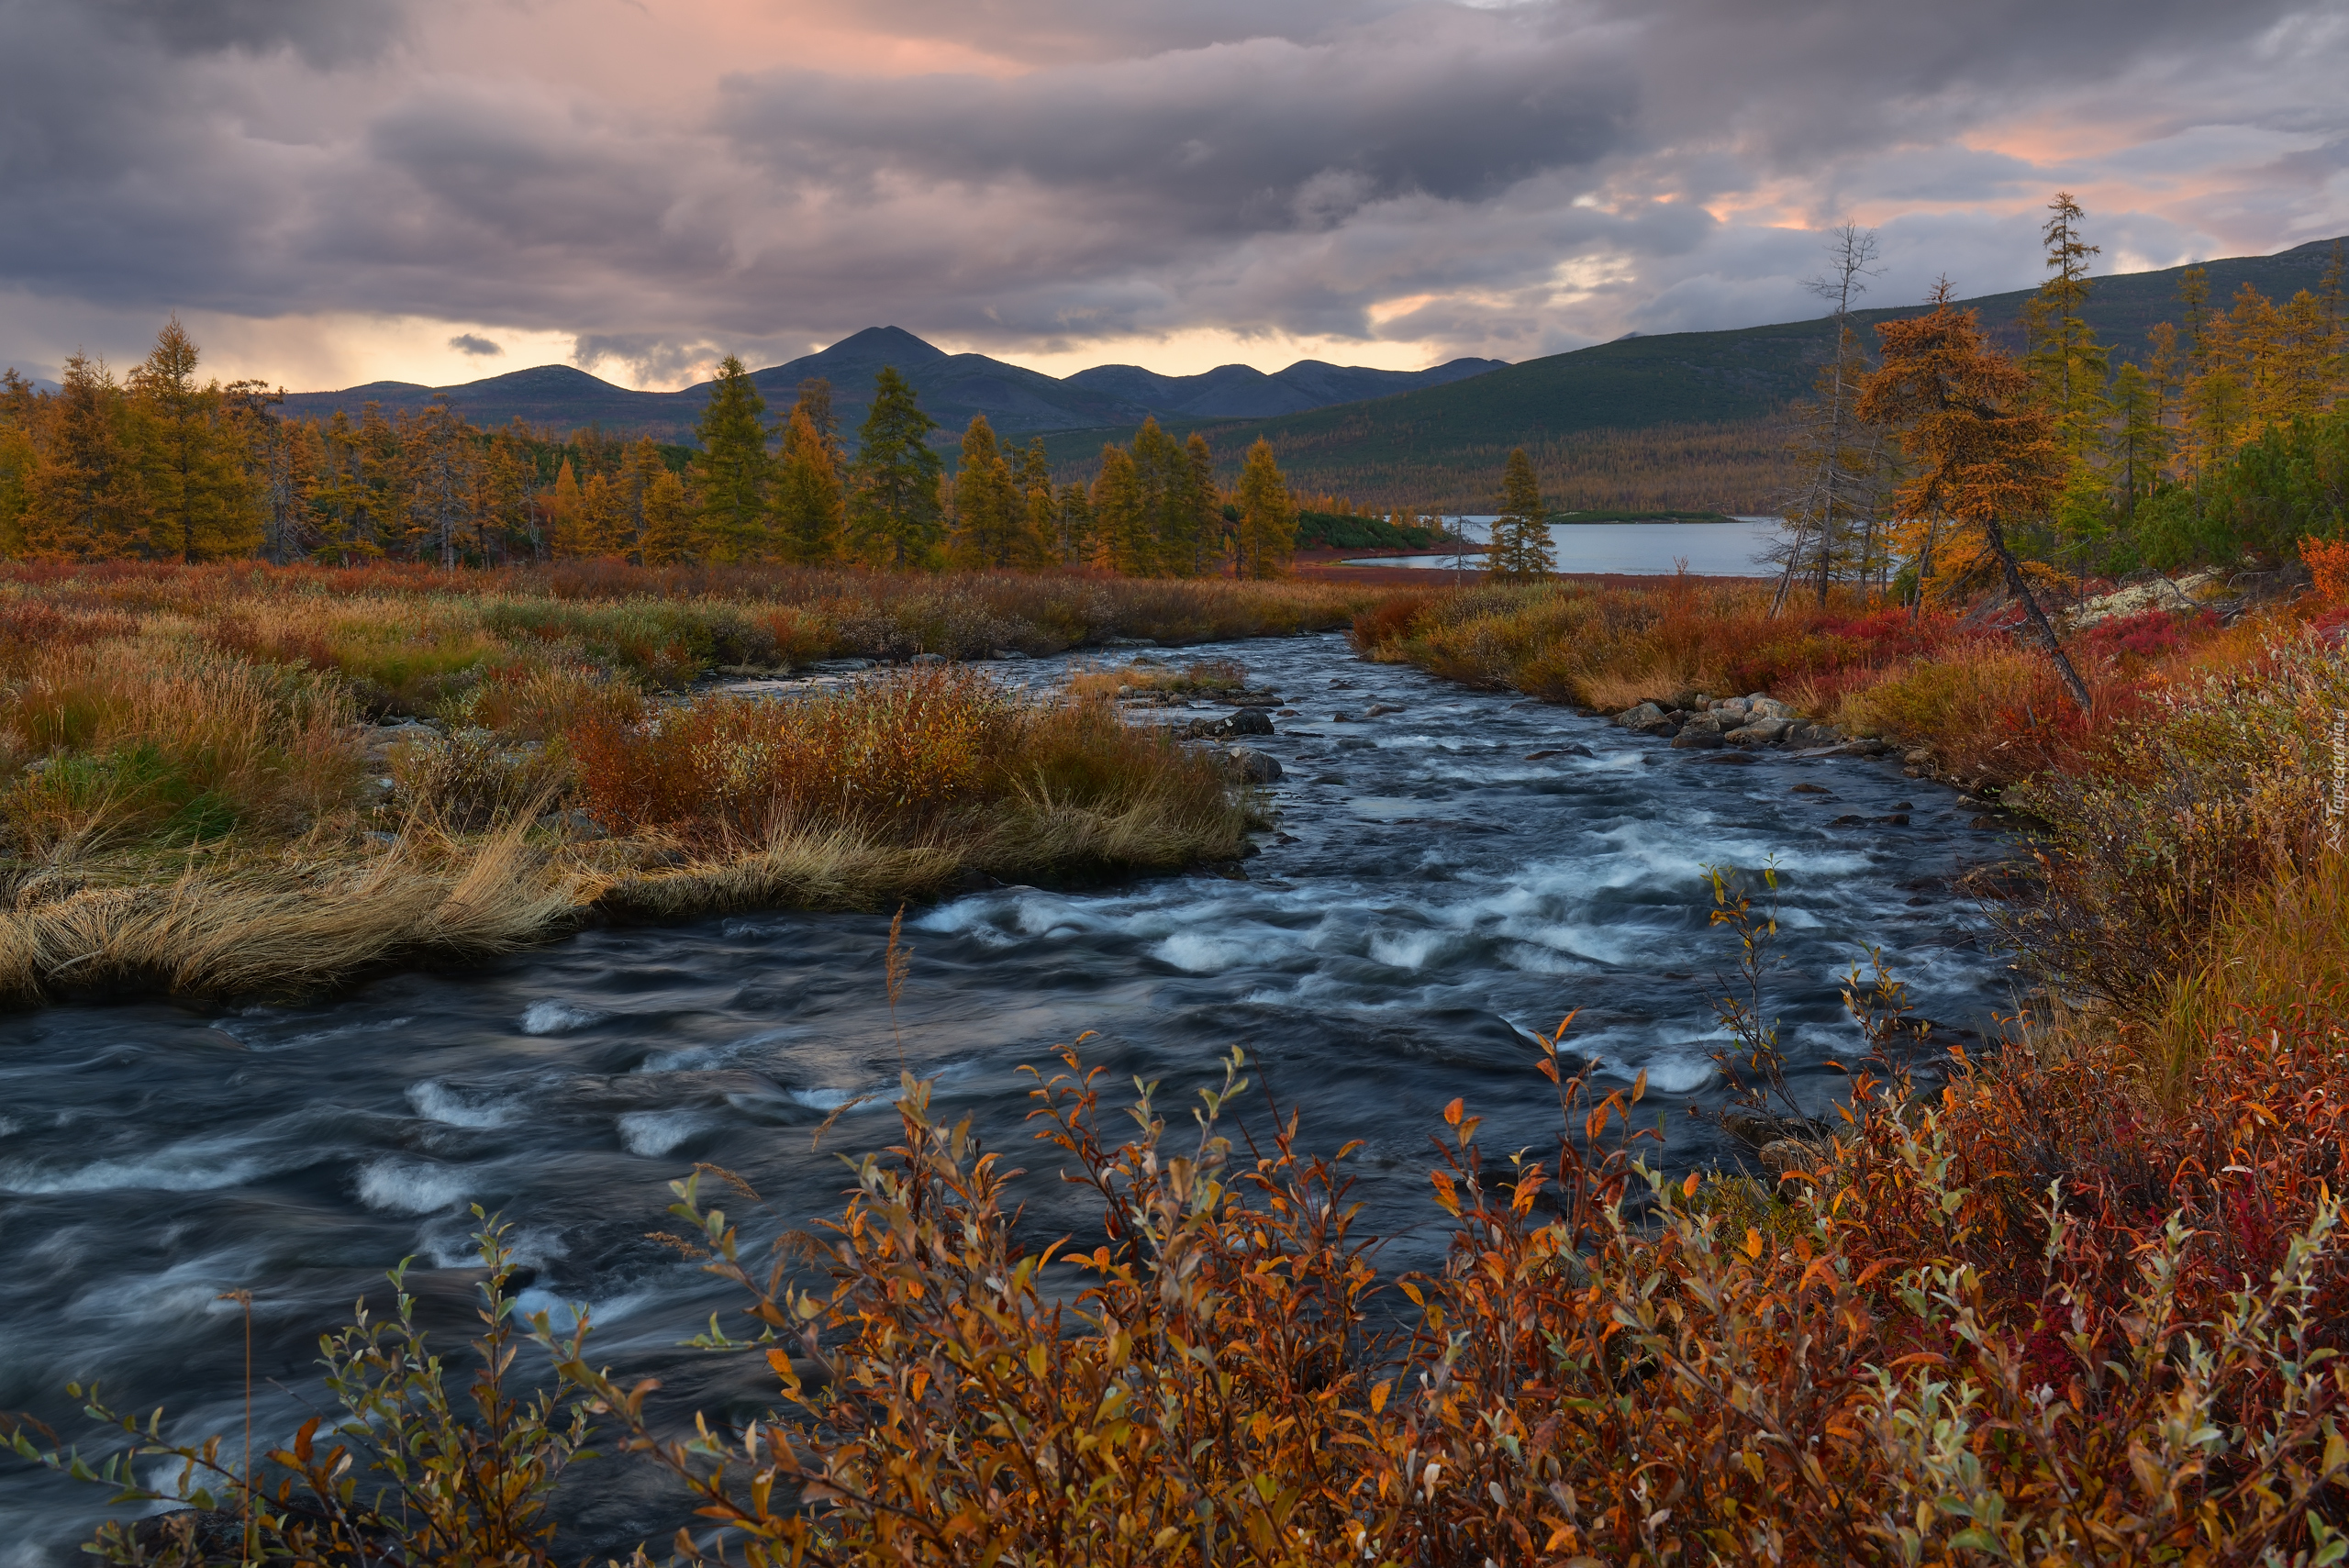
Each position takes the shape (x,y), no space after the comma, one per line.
(1427,895)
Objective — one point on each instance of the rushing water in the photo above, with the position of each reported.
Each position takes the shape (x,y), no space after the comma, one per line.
(1429,891)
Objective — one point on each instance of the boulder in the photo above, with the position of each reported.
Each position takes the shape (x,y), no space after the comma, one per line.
(2157,593)
(1699,738)
(1768,707)
(1758,732)
(1641,716)
(1248,721)
(1253,766)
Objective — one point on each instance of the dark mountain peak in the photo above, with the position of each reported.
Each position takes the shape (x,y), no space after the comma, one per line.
(878,346)
(538,380)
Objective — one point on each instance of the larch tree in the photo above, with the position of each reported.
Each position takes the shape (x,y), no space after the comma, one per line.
(989,515)
(667,521)
(1164,541)
(203,497)
(733,470)
(1118,517)
(1833,513)
(1039,543)
(86,498)
(1984,445)
(1072,513)
(1202,524)
(1267,525)
(808,503)
(1522,548)
(443,468)
(893,515)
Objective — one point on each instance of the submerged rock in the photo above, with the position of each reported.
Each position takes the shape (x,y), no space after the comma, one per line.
(1253,766)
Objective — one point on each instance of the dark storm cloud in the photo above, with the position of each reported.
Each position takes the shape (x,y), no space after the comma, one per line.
(323,32)
(475,346)
(1263,134)
(1497,178)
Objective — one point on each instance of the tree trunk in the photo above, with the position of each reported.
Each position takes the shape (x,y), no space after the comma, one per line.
(2015,580)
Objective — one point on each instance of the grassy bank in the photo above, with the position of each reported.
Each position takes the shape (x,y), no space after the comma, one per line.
(197,792)
(2080,1303)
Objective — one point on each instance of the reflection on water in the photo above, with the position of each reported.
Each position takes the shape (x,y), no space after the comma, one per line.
(1429,894)
(1637,550)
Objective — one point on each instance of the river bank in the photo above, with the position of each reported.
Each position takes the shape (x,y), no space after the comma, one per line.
(225,781)
(1448,871)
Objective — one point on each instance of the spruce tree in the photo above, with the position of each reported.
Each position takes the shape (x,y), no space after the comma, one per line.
(1521,535)
(733,471)
(893,506)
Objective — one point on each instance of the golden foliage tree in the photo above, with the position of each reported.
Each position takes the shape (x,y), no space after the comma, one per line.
(1984,446)
(1266,539)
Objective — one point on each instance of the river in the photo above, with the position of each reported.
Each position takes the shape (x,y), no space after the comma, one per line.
(1431,889)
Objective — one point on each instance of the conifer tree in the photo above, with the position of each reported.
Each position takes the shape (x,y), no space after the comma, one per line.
(506,494)
(566,509)
(892,507)
(1985,445)
(667,521)
(1073,515)
(1202,522)
(1835,454)
(1040,526)
(2065,362)
(86,499)
(205,505)
(1117,514)
(988,512)
(733,470)
(1267,527)
(1521,547)
(442,475)
(1162,542)
(808,503)
(2140,442)
(815,400)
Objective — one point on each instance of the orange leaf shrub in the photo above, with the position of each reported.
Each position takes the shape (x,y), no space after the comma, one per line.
(2328,563)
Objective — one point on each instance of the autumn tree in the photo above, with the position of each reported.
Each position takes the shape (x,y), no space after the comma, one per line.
(443,472)
(893,513)
(989,512)
(1984,446)
(1201,530)
(1521,547)
(86,498)
(200,494)
(733,471)
(1119,539)
(1040,538)
(808,503)
(667,521)
(1266,532)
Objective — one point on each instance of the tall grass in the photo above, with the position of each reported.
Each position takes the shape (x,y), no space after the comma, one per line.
(183,757)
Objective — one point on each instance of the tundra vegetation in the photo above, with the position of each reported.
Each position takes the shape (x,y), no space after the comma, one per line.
(234,778)
(2081,1301)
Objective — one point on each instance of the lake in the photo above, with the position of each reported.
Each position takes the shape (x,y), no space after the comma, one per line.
(1637,550)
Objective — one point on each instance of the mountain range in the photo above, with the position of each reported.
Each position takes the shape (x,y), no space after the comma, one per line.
(1676,420)
(952,387)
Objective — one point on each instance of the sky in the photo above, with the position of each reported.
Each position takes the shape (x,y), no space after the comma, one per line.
(331,192)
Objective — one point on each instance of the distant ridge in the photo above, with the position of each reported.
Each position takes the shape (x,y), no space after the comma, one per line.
(953,387)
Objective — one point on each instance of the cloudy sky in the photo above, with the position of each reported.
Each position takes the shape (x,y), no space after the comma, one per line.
(336,191)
